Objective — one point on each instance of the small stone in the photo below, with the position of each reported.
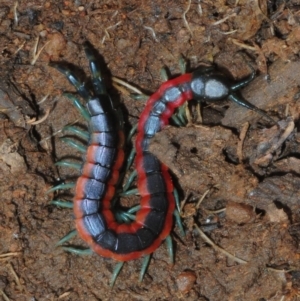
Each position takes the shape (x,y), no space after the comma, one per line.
(186,280)
(239,213)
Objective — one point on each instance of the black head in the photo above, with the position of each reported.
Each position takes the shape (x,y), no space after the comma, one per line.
(209,85)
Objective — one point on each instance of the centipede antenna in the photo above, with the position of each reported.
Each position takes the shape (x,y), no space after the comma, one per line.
(66,238)
(116,272)
(76,102)
(62,204)
(74,144)
(144,267)
(169,243)
(61,187)
(250,106)
(244,82)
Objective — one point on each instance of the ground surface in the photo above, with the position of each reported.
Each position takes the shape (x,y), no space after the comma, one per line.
(249,169)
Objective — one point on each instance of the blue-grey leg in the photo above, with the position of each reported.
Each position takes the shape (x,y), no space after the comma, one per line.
(83,111)
(61,187)
(169,243)
(178,222)
(77,131)
(62,204)
(63,163)
(116,272)
(74,144)
(129,181)
(129,192)
(67,237)
(78,251)
(144,267)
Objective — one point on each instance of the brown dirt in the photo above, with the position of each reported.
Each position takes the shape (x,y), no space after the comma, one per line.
(251,172)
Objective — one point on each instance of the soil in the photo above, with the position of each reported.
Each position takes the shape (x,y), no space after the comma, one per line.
(245,167)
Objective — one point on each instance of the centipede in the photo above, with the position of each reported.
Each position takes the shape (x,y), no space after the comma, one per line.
(95,188)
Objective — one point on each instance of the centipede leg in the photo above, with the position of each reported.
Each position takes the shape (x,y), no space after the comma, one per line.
(77,131)
(170,249)
(144,267)
(62,204)
(77,251)
(67,237)
(164,74)
(182,64)
(62,186)
(178,222)
(129,192)
(82,110)
(74,144)
(115,273)
(130,180)
(68,164)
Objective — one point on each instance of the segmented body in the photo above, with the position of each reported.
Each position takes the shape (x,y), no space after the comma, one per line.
(95,187)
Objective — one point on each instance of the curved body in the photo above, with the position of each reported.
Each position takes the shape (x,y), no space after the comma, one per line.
(95,188)
(95,221)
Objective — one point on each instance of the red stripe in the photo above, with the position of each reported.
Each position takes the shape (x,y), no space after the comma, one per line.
(141,181)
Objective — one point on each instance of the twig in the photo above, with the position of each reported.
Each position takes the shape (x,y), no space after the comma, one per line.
(241,141)
(202,198)
(10,254)
(187,196)
(184,18)
(16,19)
(200,8)
(106,31)
(66,294)
(224,19)
(4,295)
(33,121)
(290,127)
(152,32)
(217,248)
(20,47)
(43,99)
(123,83)
(57,132)
(34,52)
(16,277)
(236,42)
(227,32)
